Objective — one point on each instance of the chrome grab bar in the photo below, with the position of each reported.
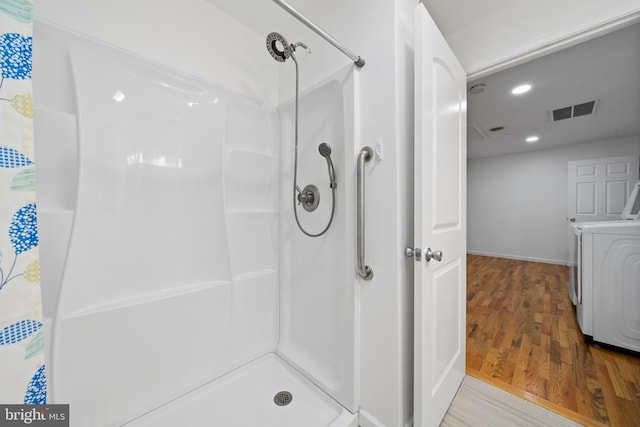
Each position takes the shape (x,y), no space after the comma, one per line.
(364,270)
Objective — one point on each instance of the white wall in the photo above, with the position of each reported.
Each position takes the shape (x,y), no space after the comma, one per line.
(187,35)
(517,204)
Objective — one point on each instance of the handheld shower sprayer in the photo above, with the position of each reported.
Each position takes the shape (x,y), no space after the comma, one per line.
(325,151)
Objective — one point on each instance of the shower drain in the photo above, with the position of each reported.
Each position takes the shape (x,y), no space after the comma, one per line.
(282,398)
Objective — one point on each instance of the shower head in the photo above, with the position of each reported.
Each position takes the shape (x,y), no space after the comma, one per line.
(278,47)
(324,149)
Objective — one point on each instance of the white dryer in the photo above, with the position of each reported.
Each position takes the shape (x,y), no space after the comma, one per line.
(606,277)
(631,212)
(609,302)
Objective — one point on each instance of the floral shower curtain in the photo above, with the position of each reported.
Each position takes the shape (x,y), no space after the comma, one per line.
(22,370)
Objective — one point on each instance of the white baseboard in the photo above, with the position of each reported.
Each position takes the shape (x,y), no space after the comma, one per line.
(520,258)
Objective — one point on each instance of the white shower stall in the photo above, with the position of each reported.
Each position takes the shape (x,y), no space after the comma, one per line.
(179,288)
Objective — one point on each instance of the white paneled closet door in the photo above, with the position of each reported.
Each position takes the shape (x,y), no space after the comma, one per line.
(599,188)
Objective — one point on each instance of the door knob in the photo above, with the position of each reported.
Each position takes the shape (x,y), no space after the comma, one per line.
(437,255)
(413,253)
(572,219)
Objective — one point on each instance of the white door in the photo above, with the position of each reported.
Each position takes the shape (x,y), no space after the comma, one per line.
(599,188)
(440,223)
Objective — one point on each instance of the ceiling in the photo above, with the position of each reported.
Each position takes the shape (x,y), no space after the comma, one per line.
(454,15)
(606,69)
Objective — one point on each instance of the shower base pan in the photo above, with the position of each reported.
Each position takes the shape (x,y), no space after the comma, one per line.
(246,397)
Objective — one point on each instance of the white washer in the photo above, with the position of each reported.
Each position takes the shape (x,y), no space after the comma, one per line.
(609,281)
(605,276)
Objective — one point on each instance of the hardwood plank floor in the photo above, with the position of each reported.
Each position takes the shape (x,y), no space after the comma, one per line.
(523,336)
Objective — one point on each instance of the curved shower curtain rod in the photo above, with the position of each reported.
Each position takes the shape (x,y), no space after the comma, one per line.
(358,60)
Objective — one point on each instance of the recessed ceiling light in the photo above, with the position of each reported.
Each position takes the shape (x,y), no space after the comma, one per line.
(519,90)
(532,139)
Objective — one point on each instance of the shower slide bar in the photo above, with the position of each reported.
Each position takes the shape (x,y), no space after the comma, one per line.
(364,270)
(358,60)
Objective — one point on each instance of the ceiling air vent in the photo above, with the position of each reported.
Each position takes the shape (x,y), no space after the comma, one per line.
(583,109)
(562,113)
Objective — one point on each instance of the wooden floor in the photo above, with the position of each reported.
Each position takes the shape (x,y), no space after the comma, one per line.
(522,336)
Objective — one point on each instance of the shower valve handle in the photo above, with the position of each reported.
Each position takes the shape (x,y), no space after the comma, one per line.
(309,198)
(301,197)
(305,198)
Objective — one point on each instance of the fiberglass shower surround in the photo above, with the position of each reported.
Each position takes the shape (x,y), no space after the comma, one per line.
(161,205)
